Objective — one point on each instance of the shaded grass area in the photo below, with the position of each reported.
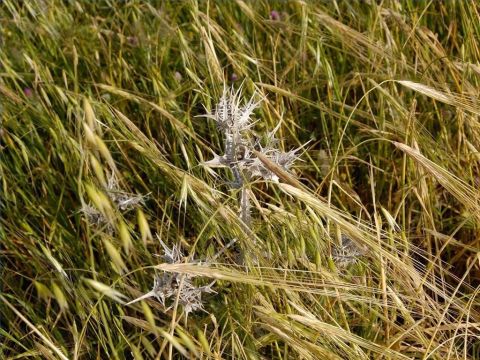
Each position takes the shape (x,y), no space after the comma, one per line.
(102,98)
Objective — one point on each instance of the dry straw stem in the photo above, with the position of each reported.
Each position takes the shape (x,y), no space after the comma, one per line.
(462,101)
(319,283)
(277,170)
(35,329)
(277,278)
(464,193)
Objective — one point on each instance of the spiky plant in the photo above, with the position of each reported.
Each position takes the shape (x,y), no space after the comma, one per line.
(235,121)
(174,285)
(122,200)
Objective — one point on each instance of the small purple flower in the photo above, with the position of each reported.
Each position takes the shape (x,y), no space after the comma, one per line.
(28,92)
(234,77)
(274,15)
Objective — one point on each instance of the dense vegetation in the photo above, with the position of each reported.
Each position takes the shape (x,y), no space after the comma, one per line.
(366,248)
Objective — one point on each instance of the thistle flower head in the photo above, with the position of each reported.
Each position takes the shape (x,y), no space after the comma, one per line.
(191,296)
(126,201)
(230,115)
(123,200)
(93,216)
(173,255)
(235,122)
(164,287)
(347,252)
(167,286)
(285,159)
(170,285)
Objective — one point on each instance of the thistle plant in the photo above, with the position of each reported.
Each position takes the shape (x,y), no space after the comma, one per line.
(123,201)
(347,252)
(235,122)
(170,285)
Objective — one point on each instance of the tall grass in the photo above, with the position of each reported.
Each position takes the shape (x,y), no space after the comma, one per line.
(370,252)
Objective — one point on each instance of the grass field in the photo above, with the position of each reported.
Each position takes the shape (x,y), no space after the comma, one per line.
(367,247)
